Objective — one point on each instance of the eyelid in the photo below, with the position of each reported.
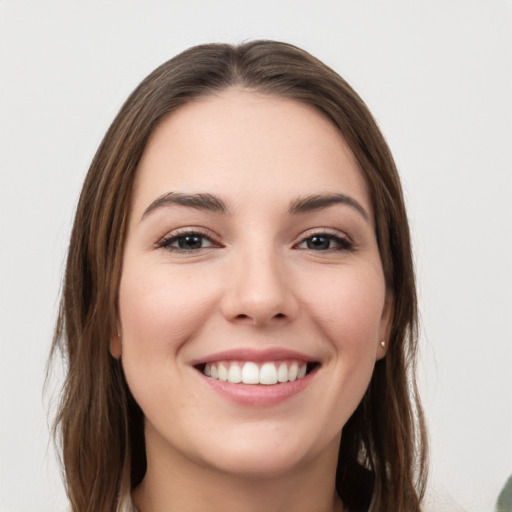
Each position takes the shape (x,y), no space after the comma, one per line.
(330,232)
(343,241)
(188,230)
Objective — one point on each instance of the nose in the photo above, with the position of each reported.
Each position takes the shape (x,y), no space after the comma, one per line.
(259,291)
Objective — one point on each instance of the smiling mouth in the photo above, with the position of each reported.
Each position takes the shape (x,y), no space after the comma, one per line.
(249,372)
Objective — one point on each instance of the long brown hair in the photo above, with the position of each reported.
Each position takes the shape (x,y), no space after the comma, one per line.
(383,453)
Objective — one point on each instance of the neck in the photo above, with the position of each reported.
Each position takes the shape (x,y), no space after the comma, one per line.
(174,482)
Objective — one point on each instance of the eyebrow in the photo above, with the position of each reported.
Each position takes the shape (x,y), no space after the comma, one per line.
(318,201)
(207,202)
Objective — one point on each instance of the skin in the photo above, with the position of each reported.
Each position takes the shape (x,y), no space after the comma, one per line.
(253,282)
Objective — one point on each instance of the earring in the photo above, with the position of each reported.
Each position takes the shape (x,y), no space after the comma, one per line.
(383,343)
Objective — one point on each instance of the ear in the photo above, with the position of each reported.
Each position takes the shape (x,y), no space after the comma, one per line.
(115,343)
(385,327)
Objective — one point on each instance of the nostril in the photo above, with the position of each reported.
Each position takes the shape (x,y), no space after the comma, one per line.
(259,318)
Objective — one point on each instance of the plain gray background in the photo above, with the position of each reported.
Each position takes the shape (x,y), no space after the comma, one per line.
(437,74)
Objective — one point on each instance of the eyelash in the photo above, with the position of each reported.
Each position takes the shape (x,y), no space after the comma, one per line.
(167,241)
(342,243)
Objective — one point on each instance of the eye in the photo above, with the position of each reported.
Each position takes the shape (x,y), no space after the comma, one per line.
(186,242)
(326,242)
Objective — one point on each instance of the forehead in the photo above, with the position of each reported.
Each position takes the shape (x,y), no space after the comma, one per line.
(238,142)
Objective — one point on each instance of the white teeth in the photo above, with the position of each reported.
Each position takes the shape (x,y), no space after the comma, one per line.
(223,372)
(268,373)
(234,374)
(292,372)
(250,373)
(282,373)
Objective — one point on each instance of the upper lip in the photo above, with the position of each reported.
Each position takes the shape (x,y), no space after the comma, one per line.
(255,355)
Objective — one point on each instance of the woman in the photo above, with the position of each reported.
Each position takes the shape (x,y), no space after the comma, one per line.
(239,309)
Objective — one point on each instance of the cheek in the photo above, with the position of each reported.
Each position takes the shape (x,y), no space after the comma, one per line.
(348,306)
(159,312)
(160,309)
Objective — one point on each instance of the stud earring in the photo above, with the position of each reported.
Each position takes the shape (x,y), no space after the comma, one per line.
(383,343)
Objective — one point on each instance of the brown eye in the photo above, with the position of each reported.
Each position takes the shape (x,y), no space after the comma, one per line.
(186,242)
(318,243)
(325,242)
(190,242)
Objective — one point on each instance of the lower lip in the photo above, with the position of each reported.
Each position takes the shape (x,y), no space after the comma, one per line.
(258,394)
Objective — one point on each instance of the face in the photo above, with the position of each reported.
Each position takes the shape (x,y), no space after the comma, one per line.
(252,299)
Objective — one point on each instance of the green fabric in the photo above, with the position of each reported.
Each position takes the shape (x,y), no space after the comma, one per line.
(504,503)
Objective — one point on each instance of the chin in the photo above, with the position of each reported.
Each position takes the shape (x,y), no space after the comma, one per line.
(265,453)
(258,464)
